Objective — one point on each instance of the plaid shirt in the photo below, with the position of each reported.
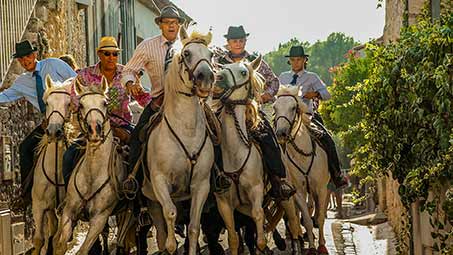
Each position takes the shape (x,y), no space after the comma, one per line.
(119,99)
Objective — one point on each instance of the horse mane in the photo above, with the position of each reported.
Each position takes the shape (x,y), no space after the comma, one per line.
(289,90)
(172,82)
(257,85)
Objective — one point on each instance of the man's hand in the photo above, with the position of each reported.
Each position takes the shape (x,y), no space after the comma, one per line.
(134,89)
(311,95)
(266,97)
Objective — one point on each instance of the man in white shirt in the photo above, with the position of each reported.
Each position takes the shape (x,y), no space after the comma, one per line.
(30,85)
(313,89)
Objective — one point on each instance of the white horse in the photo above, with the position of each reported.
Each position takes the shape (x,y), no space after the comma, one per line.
(307,161)
(93,187)
(179,153)
(239,83)
(48,187)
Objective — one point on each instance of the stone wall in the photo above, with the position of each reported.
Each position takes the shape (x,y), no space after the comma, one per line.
(57,27)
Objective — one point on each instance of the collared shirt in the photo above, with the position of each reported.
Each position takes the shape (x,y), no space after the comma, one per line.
(25,85)
(272,84)
(150,55)
(119,99)
(309,82)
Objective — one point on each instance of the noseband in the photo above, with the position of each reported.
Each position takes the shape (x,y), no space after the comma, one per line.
(225,97)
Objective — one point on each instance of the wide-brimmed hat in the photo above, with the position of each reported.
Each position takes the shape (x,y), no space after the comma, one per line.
(169,12)
(297,51)
(108,43)
(24,48)
(236,33)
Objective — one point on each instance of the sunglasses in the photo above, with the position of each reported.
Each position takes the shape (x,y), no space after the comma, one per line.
(107,54)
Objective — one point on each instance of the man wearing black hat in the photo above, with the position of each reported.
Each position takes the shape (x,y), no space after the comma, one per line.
(236,41)
(313,89)
(30,86)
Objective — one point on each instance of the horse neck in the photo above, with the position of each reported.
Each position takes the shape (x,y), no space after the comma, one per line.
(231,139)
(303,139)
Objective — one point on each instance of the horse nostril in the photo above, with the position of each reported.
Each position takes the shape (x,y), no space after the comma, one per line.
(200,76)
(47,132)
(59,133)
(98,128)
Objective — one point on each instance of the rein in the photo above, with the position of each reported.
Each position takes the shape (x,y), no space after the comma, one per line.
(84,126)
(55,183)
(245,138)
(292,142)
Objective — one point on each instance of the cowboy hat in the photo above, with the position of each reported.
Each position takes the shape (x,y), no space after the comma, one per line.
(236,33)
(24,48)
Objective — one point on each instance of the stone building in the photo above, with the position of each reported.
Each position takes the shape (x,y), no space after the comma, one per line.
(418,239)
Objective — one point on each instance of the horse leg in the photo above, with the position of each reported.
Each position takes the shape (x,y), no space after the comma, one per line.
(64,232)
(308,223)
(38,236)
(321,209)
(169,211)
(294,226)
(158,219)
(199,195)
(226,211)
(256,196)
(97,224)
(52,226)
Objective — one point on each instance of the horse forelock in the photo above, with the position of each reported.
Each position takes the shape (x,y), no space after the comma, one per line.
(58,86)
(196,36)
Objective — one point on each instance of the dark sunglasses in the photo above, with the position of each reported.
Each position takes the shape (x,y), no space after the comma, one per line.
(107,54)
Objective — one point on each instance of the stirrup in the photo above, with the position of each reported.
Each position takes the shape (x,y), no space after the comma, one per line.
(287,190)
(130,187)
(144,219)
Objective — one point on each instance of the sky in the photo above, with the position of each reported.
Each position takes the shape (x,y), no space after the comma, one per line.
(272,22)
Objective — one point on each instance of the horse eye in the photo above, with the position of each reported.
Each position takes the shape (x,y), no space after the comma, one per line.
(186,53)
(294,108)
(105,103)
(244,73)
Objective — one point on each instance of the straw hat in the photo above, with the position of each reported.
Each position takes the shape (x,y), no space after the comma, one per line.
(108,43)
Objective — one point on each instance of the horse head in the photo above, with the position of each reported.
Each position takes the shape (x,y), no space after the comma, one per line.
(289,112)
(57,99)
(92,113)
(238,81)
(197,59)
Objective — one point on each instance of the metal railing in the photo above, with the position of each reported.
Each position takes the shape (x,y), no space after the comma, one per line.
(14,17)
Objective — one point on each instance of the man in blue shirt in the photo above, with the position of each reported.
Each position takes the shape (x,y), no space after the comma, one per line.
(30,85)
(313,89)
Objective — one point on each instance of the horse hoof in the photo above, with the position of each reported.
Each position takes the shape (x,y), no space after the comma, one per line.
(322,250)
(279,241)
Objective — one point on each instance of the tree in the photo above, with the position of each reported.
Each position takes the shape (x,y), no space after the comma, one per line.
(323,54)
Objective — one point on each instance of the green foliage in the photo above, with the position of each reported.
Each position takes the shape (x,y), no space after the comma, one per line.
(276,59)
(406,106)
(323,54)
(339,114)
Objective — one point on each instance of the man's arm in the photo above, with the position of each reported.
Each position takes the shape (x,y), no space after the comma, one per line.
(10,94)
(320,87)
(133,67)
(272,82)
(64,70)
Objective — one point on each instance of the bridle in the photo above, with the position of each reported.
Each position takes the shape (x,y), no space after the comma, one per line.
(225,97)
(84,123)
(65,118)
(191,70)
(292,122)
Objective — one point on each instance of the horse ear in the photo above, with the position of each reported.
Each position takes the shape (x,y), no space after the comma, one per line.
(104,84)
(79,88)
(256,63)
(49,82)
(183,33)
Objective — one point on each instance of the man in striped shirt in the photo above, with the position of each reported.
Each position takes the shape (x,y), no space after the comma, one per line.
(151,55)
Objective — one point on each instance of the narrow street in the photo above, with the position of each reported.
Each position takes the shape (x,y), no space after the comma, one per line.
(343,237)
